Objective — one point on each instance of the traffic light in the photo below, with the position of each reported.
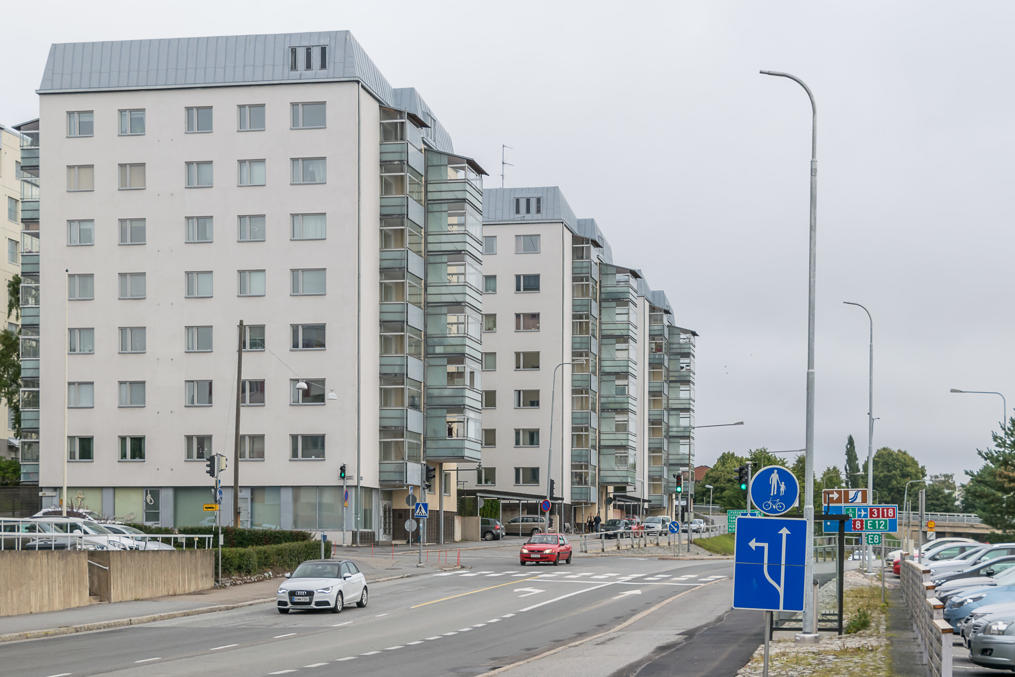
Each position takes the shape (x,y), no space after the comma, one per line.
(211,466)
(679,480)
(431,475)
(552,485)
(742,477)
(341,472)
(223,462)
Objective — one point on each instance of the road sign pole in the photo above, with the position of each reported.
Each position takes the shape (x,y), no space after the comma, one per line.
(748,486)
(422,523)
(768,634)
(841,572)
(345,508)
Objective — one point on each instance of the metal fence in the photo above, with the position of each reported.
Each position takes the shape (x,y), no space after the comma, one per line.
(934,633)
(940,517)
(43,534)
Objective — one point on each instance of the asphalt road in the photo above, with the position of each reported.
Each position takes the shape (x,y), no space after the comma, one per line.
(467,622)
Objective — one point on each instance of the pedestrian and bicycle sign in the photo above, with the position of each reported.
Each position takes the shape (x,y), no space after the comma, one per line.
(732,515)
(421,511)
(862,518)
(774,490)
(674,527)
(844,497)
(769,557)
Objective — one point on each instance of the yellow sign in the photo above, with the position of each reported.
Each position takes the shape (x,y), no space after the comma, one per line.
(930,525)
(211,507)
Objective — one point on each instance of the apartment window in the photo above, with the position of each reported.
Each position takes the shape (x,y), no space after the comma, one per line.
(80,448)
(80,177)
(198,119)
(310,58)
(12,210)
(199,174)
(199,284)
(80,395)
(308,336)
(308,170)
(489,361)
(132,339)
(251,447)
(250,228)
(132,447)
(489,284)
(526,399)
(250,117)
(526,321)
(528,205)
(253,337)
(199,339)
(489,244)
(132,394)
(526,437)
(197,447)
(307,281)
(307,115)
(306,447)
(684,419)
(199,229)
(526,283)
(250,172)
(526,361)
(489,399)
(251,282)
(12,251)
(620,385)
(489,437)
(198,393)
(621,423)
(527,475)
(132,122)
(446,482)
(490,322)
(80,287)
(252,392)
(309,226)
(526,244)
(80,123)
(486,476)
(131,176)
(80,232)
(81,341)
(132,285)
(133,231)
(312,394)
(583,399)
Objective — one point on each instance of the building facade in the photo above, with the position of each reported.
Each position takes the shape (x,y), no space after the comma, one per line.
(277,180)
(11,197)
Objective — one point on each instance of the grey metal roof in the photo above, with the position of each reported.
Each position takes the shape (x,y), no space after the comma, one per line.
(499,206)
(222,61)
(589,229)
(657,298)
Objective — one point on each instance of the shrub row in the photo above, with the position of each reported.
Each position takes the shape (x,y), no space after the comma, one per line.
(260,558)
(233,537)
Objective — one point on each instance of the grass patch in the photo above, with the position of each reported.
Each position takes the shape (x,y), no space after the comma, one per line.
(861,620)
(720,545)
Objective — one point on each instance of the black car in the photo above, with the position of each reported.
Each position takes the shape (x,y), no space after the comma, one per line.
(617,527)
(491,529)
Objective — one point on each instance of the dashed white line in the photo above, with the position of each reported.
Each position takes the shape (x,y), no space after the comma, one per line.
(507,616)
(336,625)
(314,665)
(479,625)
(393,648)
(224,646)
(61,674)
(369,653)
(288,634)
(518,575)
(347,658)
(418,641)
(149,660)
(448,634)
(494,620)
(430,639)
(381,615)
(497,574)
(281,672)
(464,629)
(570,594)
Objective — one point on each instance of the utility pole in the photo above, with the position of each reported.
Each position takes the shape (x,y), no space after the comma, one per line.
(503,163)
(236,430)
(748,486)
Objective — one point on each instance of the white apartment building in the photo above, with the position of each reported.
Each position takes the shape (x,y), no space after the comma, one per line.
(10,266)
(277,180)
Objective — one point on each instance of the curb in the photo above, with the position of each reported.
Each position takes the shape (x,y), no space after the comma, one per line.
(150,618)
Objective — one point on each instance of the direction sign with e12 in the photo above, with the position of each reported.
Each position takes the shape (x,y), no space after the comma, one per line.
(863,518)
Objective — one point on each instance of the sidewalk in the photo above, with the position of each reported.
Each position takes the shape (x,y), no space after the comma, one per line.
(101,616)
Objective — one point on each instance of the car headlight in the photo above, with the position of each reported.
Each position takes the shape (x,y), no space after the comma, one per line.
(997,627)
(325,591)
(525,551)
(281,591)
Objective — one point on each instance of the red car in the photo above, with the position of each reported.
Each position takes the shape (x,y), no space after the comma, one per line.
(545,548)
(897,566)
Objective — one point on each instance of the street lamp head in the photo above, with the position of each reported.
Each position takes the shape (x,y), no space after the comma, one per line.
(956,390)
(708,486)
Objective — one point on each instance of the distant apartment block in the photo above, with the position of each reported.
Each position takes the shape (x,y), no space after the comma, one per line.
(16,201)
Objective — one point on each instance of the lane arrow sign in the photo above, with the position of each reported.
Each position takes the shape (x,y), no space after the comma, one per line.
(528,591)
(628,592)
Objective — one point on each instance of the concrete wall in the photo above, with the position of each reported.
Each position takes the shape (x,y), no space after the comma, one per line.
(145,575)
(471,528)
(32,582)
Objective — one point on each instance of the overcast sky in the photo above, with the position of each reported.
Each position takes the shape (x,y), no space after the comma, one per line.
(656,122)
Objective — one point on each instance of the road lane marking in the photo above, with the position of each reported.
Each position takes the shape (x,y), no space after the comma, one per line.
(347,658)
(149,660)
(470,592)
(528,591)
(464,629)
(570,594)
(430,639)
(447,573)
(517,575)
(507,616)
(281,672)
(495,575)
(449,634)
(336,625)
(224,646)
(314,665)
(380,615)
(288,634)
(370,653)
(61,674)
(628,592)
(493,620)
(418,641)
(477,573)
(393,648)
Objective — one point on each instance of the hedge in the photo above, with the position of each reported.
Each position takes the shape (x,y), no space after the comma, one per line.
(260,558)
(233,537)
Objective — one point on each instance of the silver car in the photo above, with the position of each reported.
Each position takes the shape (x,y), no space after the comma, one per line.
(327,584)
(993,646)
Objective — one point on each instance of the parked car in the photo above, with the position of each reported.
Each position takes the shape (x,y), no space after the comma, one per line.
(491,529)
(617,527)
(960,606)
(143,541)
(948,589)
(937,542)
(988,553)
(548,548)
(949,551)
(93,535)
(525,525)
(975,622)
(994,645)
(79,513)
(986,569)
(322,584)
(697,525)
(656,524)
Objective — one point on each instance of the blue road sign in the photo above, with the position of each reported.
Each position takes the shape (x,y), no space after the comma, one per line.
(674,527)
(421,511)
(768,571)
(863,518)
(544,505)
(774,490)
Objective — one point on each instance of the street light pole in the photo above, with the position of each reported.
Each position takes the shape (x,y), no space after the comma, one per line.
(1004,402)
(549,451)
(809,620)
(870,419)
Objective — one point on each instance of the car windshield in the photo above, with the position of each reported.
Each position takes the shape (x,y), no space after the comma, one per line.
(614,524)
(92,528)
(316,570)
(542,539)
(653,519)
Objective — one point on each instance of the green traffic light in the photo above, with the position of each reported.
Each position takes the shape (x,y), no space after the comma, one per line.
(743,487)
(680,489)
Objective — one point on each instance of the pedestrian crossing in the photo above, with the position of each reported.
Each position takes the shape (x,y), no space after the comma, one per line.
(585,575)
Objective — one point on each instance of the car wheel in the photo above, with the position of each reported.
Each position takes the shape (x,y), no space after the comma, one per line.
(362,598)
(569,556)
(521,562)
(488,536)
(283,610)
(339,604)
(556,560)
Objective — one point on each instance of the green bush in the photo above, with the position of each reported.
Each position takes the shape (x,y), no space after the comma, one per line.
(861,621)
(722,544)
(233,537)
(260,558)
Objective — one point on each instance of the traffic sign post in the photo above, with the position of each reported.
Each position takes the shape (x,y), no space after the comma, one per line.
(873,538)
(674,527)
(844,497)
(545,505)
(774,490)
(769,557)
(421,511)
(864,518)
(732,515)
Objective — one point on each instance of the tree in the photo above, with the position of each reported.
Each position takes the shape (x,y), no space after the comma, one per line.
(852,468)
(723,476)
(941,493)
(892,469)
(10,363)
(831,479)
(10,472)
(989,490)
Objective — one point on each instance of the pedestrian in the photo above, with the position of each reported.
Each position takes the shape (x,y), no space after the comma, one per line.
(588,525)
(595,523)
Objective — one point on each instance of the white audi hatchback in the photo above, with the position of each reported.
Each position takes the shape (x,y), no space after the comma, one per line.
(323,584)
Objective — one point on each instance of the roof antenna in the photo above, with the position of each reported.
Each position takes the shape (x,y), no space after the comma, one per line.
(503,163)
